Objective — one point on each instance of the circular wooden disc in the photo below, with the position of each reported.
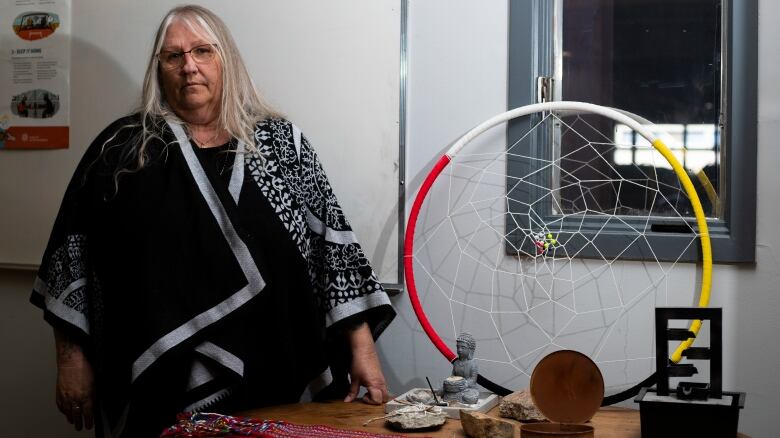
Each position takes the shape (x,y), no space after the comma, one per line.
(567,387)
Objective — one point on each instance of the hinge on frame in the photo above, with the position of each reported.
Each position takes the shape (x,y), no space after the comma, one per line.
(544,89)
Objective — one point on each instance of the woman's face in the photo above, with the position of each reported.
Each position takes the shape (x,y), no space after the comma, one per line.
(193,91)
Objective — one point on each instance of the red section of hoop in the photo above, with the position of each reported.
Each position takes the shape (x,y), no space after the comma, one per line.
(409,258)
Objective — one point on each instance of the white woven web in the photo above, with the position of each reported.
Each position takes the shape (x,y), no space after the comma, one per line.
(480,263)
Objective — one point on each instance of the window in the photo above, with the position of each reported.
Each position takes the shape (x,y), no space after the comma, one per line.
(689,67)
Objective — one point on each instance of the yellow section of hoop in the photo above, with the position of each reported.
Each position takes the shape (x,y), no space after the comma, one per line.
(704,238)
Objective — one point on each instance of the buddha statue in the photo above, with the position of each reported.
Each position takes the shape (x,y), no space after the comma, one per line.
(465,366)
(461,385)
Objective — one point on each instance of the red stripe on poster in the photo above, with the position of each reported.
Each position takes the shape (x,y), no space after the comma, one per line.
(37,137)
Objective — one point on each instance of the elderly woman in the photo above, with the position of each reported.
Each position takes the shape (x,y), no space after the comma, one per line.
(200,259)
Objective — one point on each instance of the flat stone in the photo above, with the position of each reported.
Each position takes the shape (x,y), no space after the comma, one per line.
(520,406)
(423,396)
(407,419)
(479,425)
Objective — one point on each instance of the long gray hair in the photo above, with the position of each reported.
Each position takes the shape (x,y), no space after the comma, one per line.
(241,106)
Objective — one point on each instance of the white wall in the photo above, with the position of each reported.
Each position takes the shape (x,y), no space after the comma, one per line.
(457,76)
(27,371)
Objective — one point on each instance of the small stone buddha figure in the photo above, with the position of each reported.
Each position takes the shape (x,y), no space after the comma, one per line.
(465,365)
(461,385)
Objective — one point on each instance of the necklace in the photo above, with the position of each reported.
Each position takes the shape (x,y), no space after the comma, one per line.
(205,143)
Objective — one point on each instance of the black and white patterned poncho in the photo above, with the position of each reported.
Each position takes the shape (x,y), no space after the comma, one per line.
(195,286)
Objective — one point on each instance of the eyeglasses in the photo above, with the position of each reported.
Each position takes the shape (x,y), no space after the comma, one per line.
(200,54)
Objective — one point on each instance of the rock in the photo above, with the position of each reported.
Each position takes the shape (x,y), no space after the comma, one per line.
(423,396)
(478,425)
(470,396)
(520,406)
(411,417)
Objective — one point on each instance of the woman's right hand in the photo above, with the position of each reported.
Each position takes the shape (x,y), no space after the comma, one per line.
(75,383)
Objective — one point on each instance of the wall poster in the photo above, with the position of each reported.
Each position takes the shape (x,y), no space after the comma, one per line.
(34,74)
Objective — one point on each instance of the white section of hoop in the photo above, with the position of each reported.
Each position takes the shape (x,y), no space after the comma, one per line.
(549,106)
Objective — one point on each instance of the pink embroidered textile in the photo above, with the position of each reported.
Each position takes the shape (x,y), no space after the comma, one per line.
(217,425)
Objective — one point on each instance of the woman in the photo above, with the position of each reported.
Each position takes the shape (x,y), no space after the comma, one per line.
(200,259)
(48,106)
(21,107)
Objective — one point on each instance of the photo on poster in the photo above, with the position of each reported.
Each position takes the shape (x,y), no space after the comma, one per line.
(32,26)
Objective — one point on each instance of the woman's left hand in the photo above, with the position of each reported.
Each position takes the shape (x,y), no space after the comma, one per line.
(366,370)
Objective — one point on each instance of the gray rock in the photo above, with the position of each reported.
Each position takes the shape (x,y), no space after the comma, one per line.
(405,420)
(520,406)
(478,425)
(470,396)
(423,396)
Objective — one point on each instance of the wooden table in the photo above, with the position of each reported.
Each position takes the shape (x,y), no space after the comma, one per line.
(608,422)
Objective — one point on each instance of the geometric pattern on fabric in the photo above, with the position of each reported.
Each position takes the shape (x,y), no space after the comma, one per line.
(292,179)
(217,425)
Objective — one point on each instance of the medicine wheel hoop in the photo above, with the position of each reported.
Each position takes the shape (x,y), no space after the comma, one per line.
(548,276)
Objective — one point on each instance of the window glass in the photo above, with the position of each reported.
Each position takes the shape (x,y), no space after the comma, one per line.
(660,60)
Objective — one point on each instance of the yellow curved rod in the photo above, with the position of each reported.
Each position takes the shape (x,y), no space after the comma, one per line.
(709,190)
(704,237)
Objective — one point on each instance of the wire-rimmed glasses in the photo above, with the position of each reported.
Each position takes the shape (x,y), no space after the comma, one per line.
(202,54)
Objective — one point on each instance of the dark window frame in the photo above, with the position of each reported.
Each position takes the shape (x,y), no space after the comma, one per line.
(530,55)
